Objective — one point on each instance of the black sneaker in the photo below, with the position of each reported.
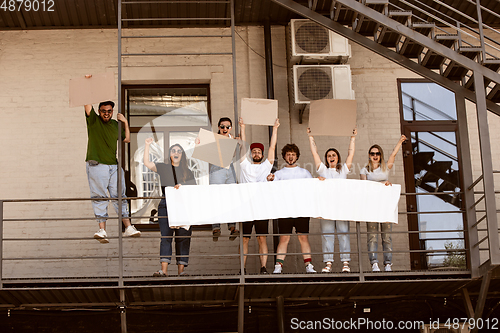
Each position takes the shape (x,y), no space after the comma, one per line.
(234,233)
(245,270)
(263,270)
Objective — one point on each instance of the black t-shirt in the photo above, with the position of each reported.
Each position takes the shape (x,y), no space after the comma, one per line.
(166,172)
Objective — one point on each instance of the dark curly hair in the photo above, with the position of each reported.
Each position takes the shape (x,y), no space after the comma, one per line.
(291,147)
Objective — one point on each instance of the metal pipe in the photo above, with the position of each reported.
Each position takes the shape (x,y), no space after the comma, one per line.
(241,309)
(120,199)
(235,81)
(172,54)
(360,252)
(178,19)
(481,34)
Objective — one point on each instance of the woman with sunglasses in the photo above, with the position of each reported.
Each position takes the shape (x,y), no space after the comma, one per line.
(334,169)
(220,175)
(377,170)
(173,174)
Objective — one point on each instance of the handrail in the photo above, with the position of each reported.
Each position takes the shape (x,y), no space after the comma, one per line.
(438,236)
(448,24)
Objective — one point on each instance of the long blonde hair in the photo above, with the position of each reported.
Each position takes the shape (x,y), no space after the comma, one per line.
(383,165)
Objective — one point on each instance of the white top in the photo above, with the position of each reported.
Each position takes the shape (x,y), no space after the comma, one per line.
(292,173)
(376,175)
(254,173)
(332,173)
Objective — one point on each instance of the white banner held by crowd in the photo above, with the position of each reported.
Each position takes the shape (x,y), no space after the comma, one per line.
(333,199)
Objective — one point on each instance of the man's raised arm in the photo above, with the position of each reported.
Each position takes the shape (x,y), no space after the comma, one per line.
(88,107)
(274,141)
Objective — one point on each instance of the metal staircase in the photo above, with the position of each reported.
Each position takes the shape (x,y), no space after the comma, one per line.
(448,53)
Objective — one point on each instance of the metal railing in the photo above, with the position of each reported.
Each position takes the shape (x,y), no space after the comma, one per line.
(62,253)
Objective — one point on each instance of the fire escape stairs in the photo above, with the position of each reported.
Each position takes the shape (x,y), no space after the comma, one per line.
(444,58)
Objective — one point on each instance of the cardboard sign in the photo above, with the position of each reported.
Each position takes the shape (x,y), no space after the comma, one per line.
(256,111)
(215,148)
(332,117)
(98,88)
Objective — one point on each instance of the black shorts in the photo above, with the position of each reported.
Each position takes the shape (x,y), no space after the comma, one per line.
(301,225)
(261,227)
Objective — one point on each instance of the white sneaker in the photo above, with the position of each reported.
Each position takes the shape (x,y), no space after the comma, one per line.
(277,269)
(131,231)
(346,268)
(101,236)
(388,268)
(375,267)
(310,268)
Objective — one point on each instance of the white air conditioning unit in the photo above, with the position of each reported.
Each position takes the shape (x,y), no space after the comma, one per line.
(311,42)
(313,82)
(445,328)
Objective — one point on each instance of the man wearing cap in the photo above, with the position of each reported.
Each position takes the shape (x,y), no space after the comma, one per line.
(253,172)
(102,165)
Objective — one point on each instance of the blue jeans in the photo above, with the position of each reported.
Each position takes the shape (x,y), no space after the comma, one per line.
(372,237)
(220,175)
(328,227)
(103,178)
(182,242)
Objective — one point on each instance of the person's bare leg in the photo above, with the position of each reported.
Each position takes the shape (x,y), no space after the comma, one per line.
(263,250)
(180,269)
(246,240)
(305,247)
(102,225)
(282,246)
(164,267)
(126,222)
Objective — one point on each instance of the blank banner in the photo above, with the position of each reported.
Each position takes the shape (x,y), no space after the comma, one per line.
(98,88)
(332,117)
(257,111)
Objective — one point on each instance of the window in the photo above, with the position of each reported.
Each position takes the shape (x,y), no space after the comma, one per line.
(432,168)
(170,115)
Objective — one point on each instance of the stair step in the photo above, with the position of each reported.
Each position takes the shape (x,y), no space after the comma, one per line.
(376,2)
(494,94)
(446,37)
(423,25)
(492,61)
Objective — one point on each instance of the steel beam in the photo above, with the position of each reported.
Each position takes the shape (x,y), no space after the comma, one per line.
(280,305)
(467,303)
(467,179)
(386,52)
(487,168)
(485,284)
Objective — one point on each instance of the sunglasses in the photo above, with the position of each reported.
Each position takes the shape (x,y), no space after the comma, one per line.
(176,151)
(224,127)
(106,111)
(375,154)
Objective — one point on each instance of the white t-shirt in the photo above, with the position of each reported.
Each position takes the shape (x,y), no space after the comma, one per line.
(332,173)
(291,173)
(254,173)
(376,175)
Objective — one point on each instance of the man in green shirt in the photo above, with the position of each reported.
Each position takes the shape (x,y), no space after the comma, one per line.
(102,165)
